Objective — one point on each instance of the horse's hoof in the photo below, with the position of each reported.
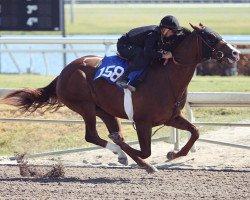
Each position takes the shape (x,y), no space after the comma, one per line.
(151,169)
(123,160)
(170,155)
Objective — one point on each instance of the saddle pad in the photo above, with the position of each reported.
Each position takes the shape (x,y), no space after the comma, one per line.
(112,68)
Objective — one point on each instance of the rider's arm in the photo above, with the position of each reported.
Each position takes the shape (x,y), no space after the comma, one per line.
(150,45)
(166,56)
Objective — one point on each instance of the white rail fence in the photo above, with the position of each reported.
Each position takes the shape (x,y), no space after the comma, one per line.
(108,43)
(213,99)
(195,99)
(80,40)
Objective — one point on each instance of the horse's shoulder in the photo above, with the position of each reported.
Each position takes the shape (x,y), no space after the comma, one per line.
(157,68)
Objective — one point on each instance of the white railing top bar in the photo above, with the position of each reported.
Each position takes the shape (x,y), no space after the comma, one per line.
(242,51)
(196,98)
(156,1)
(204,99)
(55,40)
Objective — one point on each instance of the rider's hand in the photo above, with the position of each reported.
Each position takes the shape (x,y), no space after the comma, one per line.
(166,56)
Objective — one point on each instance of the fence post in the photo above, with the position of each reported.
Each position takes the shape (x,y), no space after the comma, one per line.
(13,59)
(177,143)
(191,119)
(46,63)
(107,48)
(172,136)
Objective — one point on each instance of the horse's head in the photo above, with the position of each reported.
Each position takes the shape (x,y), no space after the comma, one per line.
(214,46)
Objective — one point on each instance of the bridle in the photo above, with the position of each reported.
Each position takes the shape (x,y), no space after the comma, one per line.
(209,48)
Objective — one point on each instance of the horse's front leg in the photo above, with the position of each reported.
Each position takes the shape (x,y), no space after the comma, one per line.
(181,123)
(144,136)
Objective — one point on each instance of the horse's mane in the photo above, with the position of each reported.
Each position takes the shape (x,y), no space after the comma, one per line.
(181,36)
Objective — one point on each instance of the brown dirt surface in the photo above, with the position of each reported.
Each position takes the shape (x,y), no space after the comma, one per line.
(212,172)
(126,183)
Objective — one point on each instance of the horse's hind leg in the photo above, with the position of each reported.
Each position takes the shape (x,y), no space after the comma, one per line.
(181,123)
(88,112)
(114,127)
(112,123)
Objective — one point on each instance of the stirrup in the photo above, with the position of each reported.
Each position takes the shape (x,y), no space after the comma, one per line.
(131,88)
(122,84)
(126,86)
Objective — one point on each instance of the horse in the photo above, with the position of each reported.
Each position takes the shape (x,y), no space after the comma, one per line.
(159,100)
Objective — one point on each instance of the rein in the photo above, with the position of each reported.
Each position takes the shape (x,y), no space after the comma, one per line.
(178,63)
(181,64)
(177,104)
(181,97)
(178,100)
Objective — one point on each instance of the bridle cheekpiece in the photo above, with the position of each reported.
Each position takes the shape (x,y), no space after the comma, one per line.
(210,39)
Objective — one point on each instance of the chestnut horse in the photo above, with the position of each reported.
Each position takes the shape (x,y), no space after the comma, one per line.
(158,100)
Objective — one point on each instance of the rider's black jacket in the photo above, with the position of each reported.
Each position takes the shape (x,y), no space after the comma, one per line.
(146,37)
(150,40)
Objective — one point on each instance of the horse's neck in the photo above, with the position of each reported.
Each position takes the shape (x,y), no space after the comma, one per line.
(188,52)
(188,56)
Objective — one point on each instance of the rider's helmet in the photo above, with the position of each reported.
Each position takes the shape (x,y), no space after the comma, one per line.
(170,22)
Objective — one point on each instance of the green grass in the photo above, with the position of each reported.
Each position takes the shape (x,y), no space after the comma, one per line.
(117,19)
(198,83)
(220,84)
(21,81)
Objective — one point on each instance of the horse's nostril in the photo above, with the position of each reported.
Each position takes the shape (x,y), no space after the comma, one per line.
(235,53)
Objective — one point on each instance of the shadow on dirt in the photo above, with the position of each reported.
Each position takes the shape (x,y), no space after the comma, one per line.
(67,180)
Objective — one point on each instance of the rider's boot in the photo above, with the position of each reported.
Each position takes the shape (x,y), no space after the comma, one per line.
(123,82)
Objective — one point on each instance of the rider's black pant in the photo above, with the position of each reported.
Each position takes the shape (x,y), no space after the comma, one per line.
(135,55)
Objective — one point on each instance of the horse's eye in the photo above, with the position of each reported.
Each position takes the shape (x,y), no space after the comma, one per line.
(211,38)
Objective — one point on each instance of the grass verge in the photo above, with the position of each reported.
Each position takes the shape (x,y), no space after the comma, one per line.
(119,18)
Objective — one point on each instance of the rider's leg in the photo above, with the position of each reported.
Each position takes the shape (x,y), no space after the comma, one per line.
(132,53)
(137,63)
(123,81)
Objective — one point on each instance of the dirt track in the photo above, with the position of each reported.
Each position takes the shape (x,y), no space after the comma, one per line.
(129,183)
(213,172)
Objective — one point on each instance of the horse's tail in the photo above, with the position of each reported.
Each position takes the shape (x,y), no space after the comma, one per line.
(29,100)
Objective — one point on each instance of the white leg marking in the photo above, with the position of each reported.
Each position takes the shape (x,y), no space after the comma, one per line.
(116,149)
(122,157)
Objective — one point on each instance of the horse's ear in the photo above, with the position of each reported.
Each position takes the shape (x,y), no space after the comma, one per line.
(201,24)
(194,27)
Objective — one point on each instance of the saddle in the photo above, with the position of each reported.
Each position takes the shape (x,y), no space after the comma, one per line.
(113,67)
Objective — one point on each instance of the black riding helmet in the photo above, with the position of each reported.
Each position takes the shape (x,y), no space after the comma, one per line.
(170,22)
